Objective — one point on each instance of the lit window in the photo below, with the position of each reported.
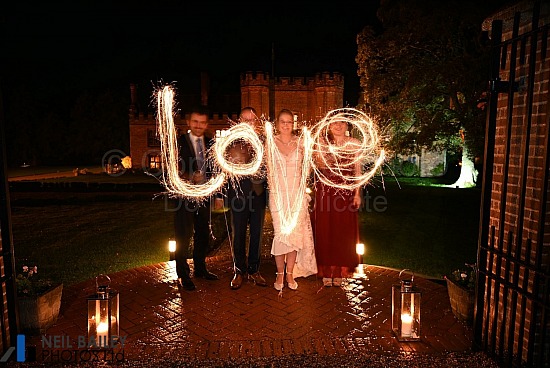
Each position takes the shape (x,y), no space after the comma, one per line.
(154,161)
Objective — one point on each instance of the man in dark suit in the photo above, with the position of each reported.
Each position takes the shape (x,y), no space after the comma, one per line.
(191,218)
(248,202)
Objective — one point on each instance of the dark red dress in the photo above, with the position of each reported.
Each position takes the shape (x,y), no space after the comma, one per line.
(335,229)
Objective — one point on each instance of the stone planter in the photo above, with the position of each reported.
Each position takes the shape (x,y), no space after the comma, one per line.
(462,301)
(37,314)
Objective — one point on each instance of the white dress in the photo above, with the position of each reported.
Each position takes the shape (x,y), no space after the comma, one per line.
(288,206)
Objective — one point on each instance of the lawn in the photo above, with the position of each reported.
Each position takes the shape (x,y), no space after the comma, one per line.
(430,230)
(76,236)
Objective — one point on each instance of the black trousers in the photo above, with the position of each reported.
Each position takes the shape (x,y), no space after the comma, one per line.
(191,220)
(247,209)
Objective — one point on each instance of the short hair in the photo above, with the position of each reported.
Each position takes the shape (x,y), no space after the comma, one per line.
(248,108)
(199,110)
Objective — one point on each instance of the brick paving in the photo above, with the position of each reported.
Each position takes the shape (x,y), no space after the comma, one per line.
(217,322)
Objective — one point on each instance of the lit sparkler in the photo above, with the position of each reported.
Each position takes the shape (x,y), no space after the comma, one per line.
(346,162)
(279,182)
(171,179)
(245,132)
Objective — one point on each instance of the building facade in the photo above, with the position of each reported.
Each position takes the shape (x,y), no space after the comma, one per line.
(309,98)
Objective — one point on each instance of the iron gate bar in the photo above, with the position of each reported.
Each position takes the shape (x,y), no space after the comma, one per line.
(524,165)
(530,89)
(9,316)
(505,293)
(524,299)
(487,181)
(523,289)
(504,188)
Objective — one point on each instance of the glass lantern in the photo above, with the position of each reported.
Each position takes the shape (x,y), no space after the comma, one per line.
(406,310)
(172,249)
(103,315)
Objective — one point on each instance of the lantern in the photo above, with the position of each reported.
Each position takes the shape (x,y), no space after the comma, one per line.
(172,249)
(103,315)
(406,310)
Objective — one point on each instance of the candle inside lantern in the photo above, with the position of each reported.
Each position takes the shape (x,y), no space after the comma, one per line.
(406,325)
(295,127)
(102,332)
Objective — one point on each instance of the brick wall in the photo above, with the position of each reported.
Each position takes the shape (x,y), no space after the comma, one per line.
(519,190)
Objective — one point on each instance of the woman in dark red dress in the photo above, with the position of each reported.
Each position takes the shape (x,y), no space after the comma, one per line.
(335,222)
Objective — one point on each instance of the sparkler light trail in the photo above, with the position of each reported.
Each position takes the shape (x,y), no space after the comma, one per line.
(169,151)
(245,132)
(342,161)
(318,150)
(277,178)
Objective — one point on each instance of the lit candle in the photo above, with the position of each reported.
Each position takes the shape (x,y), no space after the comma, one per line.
(406,325)
(102,332)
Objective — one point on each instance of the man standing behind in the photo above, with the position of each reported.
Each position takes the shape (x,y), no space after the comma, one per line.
(192,219)
(248,203)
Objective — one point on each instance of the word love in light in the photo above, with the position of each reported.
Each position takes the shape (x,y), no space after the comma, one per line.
(353,164)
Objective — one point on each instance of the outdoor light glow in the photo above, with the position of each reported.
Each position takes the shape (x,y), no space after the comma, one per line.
(127,162)
(360,248)
(171,246)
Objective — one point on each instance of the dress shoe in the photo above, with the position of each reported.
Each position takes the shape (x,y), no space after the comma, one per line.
(327,282)
(337,281)
(237,281)
(276,285)
(257,278)
(205,274)
(291,285)
(186,283)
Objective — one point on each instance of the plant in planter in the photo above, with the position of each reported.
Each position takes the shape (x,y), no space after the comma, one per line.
(461,288)
(39,300)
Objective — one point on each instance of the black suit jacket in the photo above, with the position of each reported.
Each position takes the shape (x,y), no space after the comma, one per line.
(188,159)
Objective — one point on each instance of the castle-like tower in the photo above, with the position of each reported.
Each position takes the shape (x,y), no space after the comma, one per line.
(309,98)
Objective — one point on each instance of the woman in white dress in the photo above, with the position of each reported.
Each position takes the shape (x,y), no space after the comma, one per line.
(288,204)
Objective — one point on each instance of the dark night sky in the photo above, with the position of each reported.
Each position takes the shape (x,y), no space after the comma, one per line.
(72,46)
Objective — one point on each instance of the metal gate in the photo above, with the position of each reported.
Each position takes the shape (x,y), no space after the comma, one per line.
(8,318)
(512,299)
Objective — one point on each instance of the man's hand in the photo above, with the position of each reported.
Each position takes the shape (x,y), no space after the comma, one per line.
(218,204)
(198,177)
